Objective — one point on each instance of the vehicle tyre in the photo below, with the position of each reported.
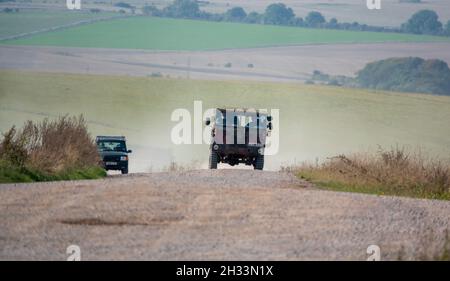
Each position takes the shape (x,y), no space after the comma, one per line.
(213,160)
(124,171)
(259,162)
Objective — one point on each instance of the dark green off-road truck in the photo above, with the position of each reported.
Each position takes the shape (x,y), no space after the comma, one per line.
(113,152)
(238,136)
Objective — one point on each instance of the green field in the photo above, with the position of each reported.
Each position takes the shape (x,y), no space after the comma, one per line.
(28,21)
(177,34)
(315,121)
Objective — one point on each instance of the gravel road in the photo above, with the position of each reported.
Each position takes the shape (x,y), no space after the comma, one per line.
(220,215)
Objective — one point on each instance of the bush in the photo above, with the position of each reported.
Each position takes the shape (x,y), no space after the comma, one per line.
(423,22)
(156,75)
(151,10)
(447,29)
(254,17)
(333,23)
(237,14)
(278,14)
(182,9)
(314,19)
(57,149)
(8,10)
(124,5)
(406,75)
(393,172)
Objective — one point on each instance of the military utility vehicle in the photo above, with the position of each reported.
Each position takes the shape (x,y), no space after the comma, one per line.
(238,136)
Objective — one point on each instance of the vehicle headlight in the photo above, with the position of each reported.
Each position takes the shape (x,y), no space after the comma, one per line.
(123,158)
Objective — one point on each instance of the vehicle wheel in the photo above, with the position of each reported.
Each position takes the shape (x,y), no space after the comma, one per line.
(213,160)
(259,162)
(124,171)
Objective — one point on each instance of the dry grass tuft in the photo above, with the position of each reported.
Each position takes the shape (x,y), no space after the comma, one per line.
(395,171)
(50,147)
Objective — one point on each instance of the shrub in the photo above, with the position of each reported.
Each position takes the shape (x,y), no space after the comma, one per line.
(182,9)
(314,19)
(49,149)
(254,17)
(407,75)
(151,10)
(156,75)
(124,5)
(278,14)
(236,14)
(423,22)
(447,28)
(395,171)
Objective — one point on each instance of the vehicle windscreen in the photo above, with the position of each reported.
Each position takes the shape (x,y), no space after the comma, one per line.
(241,120)
(112,145)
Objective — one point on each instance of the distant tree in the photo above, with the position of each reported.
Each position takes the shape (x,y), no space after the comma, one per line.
(151,10)
(254,17)
(333,23)
(124,5)
(236,14)
(423,22)
(183,9)
(407,75)
(314,19)
(355,26)
(211,17)
(297,22)
(8,10)
(278,14)
(447,29)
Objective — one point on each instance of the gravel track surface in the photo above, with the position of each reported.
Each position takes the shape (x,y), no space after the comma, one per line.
(203,214)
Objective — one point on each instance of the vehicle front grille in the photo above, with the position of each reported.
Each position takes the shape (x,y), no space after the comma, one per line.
(108,158)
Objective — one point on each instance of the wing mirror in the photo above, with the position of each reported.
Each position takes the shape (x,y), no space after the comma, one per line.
(129,151)
(269,126)
(207,121)
(269,118)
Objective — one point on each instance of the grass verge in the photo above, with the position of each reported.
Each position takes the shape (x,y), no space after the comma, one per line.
(13,174)
(388,172)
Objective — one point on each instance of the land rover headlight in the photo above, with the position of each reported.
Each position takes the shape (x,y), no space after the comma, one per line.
(123,158)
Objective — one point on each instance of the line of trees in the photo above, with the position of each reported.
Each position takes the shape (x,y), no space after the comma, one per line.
(423,22)
(426,22)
